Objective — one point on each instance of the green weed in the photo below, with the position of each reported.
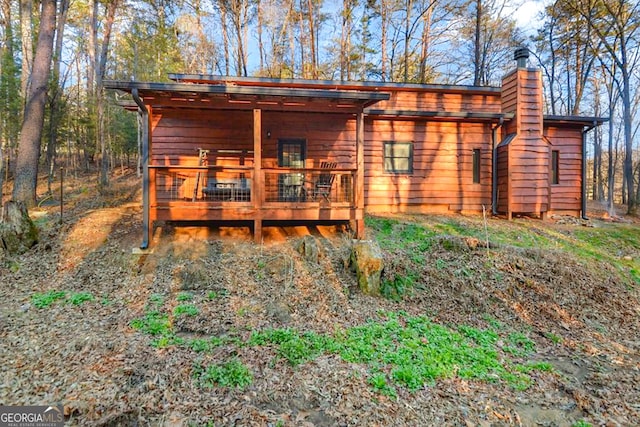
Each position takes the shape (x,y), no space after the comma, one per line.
(156,300)
(519,344)
(186,309)
(295,348)
(212,295)
(581,423)
(153,323)
(80,297)
(534,366)
(184,296)
(44,300)
(400,286)
(380,383)
(230,374)
(553,337)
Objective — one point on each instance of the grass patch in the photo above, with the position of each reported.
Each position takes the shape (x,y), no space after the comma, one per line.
(153,323)
(401,351)
(186,310)
(410,352)
(46,299)
(156,300)
(232,374)
(519,344)
(553,337)
(399,286)
(184,296)
(213,295)
(80,297)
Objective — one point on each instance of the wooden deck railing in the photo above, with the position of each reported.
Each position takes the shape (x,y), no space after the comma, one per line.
(235,185)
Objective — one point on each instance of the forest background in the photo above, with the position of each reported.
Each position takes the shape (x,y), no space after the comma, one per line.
(55,54)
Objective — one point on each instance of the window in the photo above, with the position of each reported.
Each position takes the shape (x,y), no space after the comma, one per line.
(291,153)
(476,166)
(398,157)
(555,167)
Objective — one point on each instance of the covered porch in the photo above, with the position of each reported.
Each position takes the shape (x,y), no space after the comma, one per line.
(218,152)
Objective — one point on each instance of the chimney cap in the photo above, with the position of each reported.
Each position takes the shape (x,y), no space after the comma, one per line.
(521,55)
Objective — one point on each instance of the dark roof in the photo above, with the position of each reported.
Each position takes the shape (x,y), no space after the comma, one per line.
(507,139)
(575,120)
(271,82)
(364,97)
(467,115)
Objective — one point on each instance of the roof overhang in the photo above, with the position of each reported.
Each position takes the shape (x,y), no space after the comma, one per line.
(478,116)
(189,95)
(579,121)
(336,84)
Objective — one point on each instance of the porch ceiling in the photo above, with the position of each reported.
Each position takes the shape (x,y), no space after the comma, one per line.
(207,96)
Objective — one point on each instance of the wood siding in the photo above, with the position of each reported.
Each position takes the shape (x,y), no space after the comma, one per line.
(177,135)
(524,163)
(440,101)
(442,174)
(329,137)
(566,195)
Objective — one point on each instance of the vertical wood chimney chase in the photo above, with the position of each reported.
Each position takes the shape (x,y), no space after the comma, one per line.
(523,156)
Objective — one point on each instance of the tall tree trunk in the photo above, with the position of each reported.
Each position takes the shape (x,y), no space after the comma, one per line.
(312,39)
(426,42)
(610,166)
(26,19)
(261,52)
(628,139)
(100,72)
(93,48)
(477,45)
(383,39)
(54,99)
(225,35)
(407,25)
(24,187)
(7,64)
(345,40)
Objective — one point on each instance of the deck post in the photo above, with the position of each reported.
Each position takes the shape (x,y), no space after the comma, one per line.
(258,178)
(145,113)
(359,194)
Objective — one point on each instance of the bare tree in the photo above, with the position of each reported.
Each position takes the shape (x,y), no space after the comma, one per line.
(24,187)
(616,23)
(26,11)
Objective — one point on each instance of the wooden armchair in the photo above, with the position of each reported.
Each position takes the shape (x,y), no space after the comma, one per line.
(321,186)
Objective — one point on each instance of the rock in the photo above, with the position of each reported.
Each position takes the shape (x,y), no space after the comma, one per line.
(17,232)
(279,312)
(627,258)
(366,258)
(308,247)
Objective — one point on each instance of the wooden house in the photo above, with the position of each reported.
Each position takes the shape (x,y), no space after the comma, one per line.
(268,150)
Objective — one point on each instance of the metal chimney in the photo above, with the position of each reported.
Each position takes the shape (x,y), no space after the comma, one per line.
(521,55)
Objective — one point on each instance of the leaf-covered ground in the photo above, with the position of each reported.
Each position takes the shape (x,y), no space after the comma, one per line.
(539,327)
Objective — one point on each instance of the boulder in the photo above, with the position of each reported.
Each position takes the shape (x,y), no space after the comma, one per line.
(308,248)
(367,261)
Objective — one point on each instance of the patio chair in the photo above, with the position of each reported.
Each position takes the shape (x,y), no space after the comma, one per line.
(321,186)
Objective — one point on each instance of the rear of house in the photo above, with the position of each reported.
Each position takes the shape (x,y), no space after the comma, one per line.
(268,150)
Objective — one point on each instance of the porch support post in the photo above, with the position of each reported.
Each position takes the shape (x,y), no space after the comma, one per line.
(144,111)
(258,178)
(359,194)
